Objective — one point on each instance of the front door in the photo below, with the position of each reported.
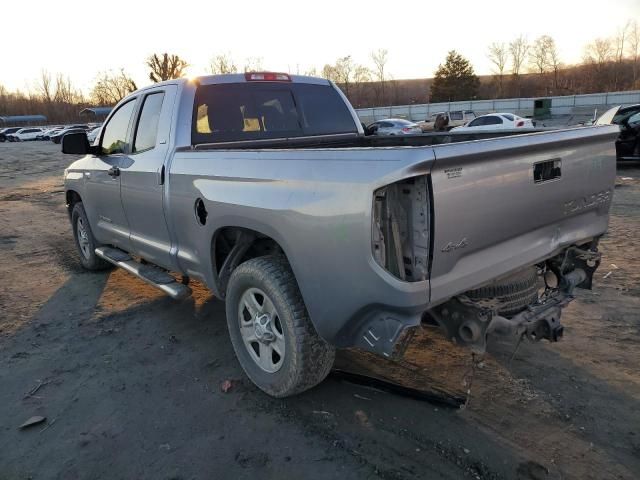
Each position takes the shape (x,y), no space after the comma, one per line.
(143,180)
(102,200)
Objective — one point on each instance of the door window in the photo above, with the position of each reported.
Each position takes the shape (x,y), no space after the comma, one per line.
(114,136)
(492,120)
(147,129)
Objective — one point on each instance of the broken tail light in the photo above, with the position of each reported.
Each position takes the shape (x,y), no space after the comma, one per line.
(401,228)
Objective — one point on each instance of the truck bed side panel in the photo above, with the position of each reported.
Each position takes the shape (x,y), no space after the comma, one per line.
(317,205)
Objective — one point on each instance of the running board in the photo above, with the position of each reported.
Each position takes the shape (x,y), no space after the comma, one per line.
(147,273)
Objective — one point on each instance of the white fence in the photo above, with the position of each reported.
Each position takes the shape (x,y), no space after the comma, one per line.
(572,104)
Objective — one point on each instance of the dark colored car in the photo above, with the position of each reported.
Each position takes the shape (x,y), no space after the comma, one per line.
(628,143)
(7,131)
(57,138)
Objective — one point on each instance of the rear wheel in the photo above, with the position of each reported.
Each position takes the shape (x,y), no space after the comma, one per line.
(85,241)
(272,334)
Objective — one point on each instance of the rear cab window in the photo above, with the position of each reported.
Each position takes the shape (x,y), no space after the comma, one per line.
(267,110)
(147,128)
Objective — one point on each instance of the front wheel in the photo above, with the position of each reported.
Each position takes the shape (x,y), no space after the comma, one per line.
(85,241)
(270,329)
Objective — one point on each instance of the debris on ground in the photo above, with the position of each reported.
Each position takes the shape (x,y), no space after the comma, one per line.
(226,386)
(35,420)
(32,392)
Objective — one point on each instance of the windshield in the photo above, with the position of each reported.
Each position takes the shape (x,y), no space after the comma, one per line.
(252,111)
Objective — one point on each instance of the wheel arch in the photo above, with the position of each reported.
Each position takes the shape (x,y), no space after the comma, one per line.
(72,197)
(233,245)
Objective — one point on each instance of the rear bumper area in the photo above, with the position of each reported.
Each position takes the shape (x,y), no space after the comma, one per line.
(468,322)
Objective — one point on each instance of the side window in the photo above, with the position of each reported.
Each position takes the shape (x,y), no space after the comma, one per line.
(455,116)
(492,120)
(114,137)
(477,122)
(633,119)
(147,129)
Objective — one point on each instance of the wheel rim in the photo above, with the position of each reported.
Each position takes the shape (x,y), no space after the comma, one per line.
(83,238)
(261,330)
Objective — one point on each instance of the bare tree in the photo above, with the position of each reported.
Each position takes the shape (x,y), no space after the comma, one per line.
(166,67)
(619,47)
(112,87)
(329,72)
(554,62)
(361,76)
(253,64)
(499,55)
(539,53)
(221,64)
(633,47)
(380,59)
(45,87)
(64,90)
(518,49)
(600,51)
(343,72)
(311,72)
(597,61)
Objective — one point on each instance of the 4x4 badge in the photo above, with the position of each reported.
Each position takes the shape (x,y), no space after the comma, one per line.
(455,246)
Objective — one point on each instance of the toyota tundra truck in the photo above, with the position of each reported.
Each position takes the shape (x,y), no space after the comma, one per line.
(264,187)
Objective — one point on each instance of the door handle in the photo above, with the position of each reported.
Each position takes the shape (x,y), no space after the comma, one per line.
(114,172)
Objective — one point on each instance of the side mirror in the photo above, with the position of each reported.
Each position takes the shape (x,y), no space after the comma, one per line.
(75,143)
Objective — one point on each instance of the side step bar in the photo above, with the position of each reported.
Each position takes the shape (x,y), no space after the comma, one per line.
(148,273)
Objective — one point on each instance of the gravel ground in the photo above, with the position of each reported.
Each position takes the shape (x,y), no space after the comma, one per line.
(129,381)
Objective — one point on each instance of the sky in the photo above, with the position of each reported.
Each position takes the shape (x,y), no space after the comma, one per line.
(81,39)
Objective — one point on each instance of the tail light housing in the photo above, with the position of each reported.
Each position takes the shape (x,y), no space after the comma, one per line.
(406,129)
(520,123)
(401,228)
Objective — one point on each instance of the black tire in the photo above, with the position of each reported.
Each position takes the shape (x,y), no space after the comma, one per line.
(511,295)
(307,359)
(88,257)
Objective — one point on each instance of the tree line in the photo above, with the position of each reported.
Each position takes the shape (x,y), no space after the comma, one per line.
(520,68)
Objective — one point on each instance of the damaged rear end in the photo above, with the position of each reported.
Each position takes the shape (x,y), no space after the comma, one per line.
(503,230)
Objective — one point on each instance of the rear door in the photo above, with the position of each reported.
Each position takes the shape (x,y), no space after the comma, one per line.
(143,179)
(102,180)
(506,203)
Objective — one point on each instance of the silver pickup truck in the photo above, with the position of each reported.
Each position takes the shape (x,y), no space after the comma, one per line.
(264,187)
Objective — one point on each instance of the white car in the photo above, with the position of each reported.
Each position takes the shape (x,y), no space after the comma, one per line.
(495,121)
(93,134)
(25,134)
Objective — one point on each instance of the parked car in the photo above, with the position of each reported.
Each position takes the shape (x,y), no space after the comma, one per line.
(452,119)
(48,131)
(496,121)
(93,134)
(7,132)
(24,134)
(628,142)
(264,187)
(393,126)
(57,137)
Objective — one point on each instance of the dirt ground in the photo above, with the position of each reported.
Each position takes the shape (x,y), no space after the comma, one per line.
(129,380)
